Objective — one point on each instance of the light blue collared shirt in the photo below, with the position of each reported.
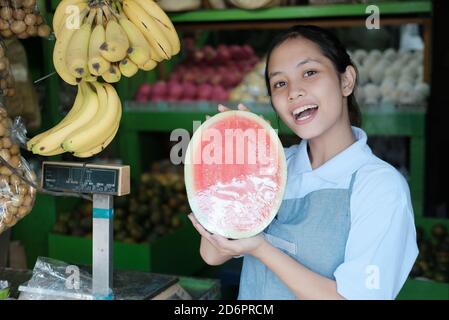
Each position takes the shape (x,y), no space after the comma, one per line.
(381,246)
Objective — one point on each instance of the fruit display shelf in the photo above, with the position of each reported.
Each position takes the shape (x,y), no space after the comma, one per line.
(296,12)
(377,121)
(302,12)
(422,287)
(394,13)
(175,253)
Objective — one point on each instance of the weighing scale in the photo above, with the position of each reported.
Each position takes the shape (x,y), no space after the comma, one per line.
(103,182)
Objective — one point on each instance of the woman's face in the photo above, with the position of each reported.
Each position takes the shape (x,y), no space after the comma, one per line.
(306,89)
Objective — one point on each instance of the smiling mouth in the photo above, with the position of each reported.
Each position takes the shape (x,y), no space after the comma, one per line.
(305,112)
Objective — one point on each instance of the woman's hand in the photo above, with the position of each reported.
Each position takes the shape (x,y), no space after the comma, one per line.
(223,108)
(241,107)
(228,247)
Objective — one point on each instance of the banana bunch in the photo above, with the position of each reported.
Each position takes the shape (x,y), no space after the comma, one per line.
(88,128)
(110,38)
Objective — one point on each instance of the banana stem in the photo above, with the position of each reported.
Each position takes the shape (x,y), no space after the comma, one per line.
(91,16)
(120,9)
(99,17)
(107,11)
(84,13)
(115,10)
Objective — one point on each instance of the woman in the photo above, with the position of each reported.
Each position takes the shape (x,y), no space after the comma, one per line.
(345,229)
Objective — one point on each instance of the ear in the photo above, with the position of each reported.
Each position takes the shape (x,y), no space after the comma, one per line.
(348,79)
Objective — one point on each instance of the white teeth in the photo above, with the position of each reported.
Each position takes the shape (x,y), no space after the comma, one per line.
(304,118)
(297,111)
(304,108)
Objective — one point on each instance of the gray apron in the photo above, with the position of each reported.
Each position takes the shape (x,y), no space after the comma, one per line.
(313,230)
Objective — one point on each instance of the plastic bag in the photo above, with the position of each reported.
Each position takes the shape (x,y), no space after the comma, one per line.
(22,18)
(7,86)
(57,280)
(51,281)
(25,104)
(16,196)
(4,290)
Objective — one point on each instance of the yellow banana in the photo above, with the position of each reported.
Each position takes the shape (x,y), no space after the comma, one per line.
(58,150)
(77,51)
(112,75)
(72,18)
(54,152)
(87,111)
(128,68)
(97,64)
(89,78)
(161,48)
(149,65)
(138,55)
(60,51)
(63,10)
(97,149)
(139,49)
(100,147)
(35,139)
(156,12)
(69,116)
(101,126)
(116,45)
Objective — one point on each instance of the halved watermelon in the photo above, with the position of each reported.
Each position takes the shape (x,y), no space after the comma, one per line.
(235,174)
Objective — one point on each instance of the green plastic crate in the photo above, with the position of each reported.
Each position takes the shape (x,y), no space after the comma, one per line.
(202,288)
(415,289)
(176,253)
(424,290)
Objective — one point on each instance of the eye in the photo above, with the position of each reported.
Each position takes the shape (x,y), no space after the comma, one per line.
(279,84)
(309,73)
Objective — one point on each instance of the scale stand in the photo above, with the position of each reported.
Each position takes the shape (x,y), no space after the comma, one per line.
(102,236)
(103,182)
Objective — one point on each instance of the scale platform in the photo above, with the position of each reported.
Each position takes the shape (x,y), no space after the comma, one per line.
(49,282)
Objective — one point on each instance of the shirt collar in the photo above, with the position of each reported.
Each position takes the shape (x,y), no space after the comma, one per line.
(343,164)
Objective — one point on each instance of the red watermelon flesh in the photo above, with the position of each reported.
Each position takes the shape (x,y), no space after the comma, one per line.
(235,174)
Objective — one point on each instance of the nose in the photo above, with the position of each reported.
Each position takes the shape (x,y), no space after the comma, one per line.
(295,93)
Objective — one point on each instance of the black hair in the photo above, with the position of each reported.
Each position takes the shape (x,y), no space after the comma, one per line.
(331,48)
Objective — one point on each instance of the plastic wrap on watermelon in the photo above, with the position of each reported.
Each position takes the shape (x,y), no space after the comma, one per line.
(235,174)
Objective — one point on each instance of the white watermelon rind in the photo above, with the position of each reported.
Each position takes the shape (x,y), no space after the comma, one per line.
(188,175)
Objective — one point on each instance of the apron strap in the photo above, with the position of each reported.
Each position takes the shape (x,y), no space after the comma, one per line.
(351,184)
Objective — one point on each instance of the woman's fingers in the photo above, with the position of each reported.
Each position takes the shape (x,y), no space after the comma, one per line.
(215,240)
(192,218)
(221,241)
(242,107)
(230,247)
(203,232)
(223,108)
